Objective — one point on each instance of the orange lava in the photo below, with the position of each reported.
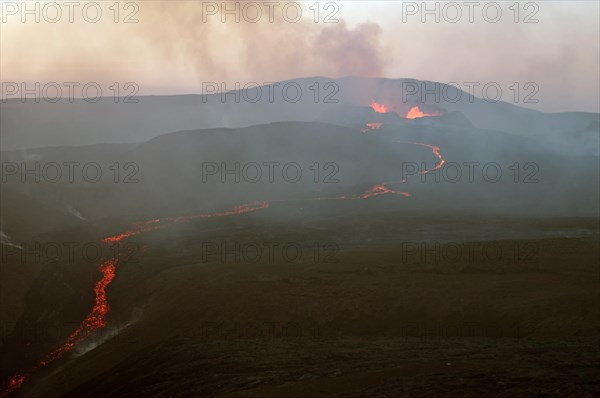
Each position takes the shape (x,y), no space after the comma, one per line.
(436,152)
(96,319)
(416,113)
(145,226)
(371,126)
(382,189)
(379,108)
(236,210)
(14,384)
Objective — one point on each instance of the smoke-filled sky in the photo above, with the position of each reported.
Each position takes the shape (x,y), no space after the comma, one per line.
(175,46)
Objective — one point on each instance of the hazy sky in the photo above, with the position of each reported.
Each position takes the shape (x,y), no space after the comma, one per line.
(175,46)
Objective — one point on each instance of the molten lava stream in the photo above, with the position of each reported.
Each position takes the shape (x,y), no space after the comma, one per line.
(96,319)
(377,190)
(434,149)
(371,126)
(382,189)
(436,152)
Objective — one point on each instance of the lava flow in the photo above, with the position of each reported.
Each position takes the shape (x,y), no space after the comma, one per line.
(415,113)
(96,319)
(371,126)
(435,150)
(383,189)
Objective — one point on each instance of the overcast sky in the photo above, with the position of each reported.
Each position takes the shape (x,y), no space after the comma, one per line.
(175,46)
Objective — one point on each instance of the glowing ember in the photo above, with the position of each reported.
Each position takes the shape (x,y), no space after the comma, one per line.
(379,108)
(416,113)
(371,126)
(14,383)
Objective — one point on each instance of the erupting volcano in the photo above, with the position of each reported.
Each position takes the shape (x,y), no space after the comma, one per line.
(415,113)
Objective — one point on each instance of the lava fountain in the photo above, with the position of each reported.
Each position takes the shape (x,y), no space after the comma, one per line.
(416,113)
(379,108)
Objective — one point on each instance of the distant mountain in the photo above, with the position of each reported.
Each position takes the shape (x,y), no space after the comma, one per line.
(31,124)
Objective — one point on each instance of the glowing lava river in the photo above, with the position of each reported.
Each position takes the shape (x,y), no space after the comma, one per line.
(96,319)
(434,149)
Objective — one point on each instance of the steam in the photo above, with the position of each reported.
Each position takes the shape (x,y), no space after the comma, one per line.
(284,49)
(73,211)
(101,337)
(5,240)
(173,50)
(186,45)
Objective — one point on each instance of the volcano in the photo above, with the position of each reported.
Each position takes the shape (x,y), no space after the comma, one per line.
(371,226)
(109,122)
